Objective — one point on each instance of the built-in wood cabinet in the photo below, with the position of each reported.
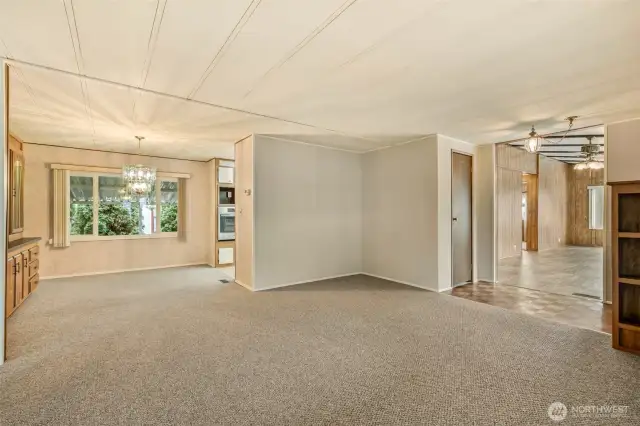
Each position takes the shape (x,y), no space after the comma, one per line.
(625,242)
(225,196)
(22,276)
(16,187)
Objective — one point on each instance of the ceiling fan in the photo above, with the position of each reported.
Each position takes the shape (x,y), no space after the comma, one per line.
(589,151)
(534,141)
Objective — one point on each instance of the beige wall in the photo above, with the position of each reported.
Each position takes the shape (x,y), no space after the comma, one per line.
(623,151)
(114,255)
(553,203)
(509,183)
(245,217)
(308,212)
(400,212)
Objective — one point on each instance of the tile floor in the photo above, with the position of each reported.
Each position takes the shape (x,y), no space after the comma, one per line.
(576,311)
(567,271)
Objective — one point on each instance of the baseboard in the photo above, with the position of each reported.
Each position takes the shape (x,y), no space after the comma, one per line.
(243,285)
(308,281)
(119,271)
(400,282)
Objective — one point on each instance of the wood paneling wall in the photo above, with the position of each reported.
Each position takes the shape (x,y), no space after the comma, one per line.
(508,157)
(553,203)
(530,183)
(509,213)
(579,232)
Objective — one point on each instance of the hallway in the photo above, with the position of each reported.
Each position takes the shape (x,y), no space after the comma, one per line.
(568,270)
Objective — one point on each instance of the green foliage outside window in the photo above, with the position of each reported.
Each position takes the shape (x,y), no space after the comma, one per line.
(169,217)
(113,219)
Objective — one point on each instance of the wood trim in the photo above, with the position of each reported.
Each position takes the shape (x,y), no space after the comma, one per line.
(221,244)
(628,234)
(532,211)
(624,336)
(5,150)
(615,332)
(631,281)
(629,327)
(112,170)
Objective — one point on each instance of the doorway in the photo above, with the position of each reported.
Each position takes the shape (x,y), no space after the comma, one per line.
(461,214)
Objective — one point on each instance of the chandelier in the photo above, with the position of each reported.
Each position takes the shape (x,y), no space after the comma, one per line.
(534,142)
(139,180)
(590,162)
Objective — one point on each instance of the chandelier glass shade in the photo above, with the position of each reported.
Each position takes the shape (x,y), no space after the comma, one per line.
(138,180)
(534,142)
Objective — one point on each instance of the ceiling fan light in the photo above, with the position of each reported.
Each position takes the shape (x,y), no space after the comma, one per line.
(595,165)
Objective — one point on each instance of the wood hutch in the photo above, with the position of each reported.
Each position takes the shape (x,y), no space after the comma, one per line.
(625,242)
(22,252)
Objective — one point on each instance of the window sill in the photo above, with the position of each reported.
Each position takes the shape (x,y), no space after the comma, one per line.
(83,238)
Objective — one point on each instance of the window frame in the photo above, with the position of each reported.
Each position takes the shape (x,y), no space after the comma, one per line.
(96,204)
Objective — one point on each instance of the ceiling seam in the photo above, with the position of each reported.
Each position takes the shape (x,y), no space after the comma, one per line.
(151,47)
(305,42)
(77,51)
(168,95)
(253,6)
(22,78)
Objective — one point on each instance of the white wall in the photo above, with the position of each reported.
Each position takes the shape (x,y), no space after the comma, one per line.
(446,146)
(400,213)
(486,244)
(308,212)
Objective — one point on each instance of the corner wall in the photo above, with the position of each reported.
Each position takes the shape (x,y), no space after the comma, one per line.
(400,213)
(308,213)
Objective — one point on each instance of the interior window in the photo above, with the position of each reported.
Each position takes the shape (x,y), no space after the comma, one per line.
(596,207)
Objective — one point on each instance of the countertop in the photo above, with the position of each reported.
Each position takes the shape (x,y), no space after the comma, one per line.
(14,245)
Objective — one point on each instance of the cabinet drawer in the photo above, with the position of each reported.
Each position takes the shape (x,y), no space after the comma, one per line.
(34,267)
(33,253)
(33,283)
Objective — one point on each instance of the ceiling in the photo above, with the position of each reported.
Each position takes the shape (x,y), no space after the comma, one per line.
(568,150)
(193,76)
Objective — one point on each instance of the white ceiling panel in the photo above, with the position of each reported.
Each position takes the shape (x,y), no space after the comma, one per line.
(191,35)
(277,29)
(338,46)
(352,75)
(37,31)
(114,37)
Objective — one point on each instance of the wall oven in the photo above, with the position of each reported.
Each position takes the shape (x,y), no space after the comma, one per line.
(226,223)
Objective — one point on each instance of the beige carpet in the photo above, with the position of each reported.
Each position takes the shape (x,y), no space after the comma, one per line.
(177,347)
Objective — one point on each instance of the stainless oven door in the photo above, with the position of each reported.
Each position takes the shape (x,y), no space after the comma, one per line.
(226,226)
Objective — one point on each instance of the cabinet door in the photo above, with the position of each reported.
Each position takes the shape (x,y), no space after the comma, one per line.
(16,197)
(225,174)
(26,290)
(10,293)
(17,282)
